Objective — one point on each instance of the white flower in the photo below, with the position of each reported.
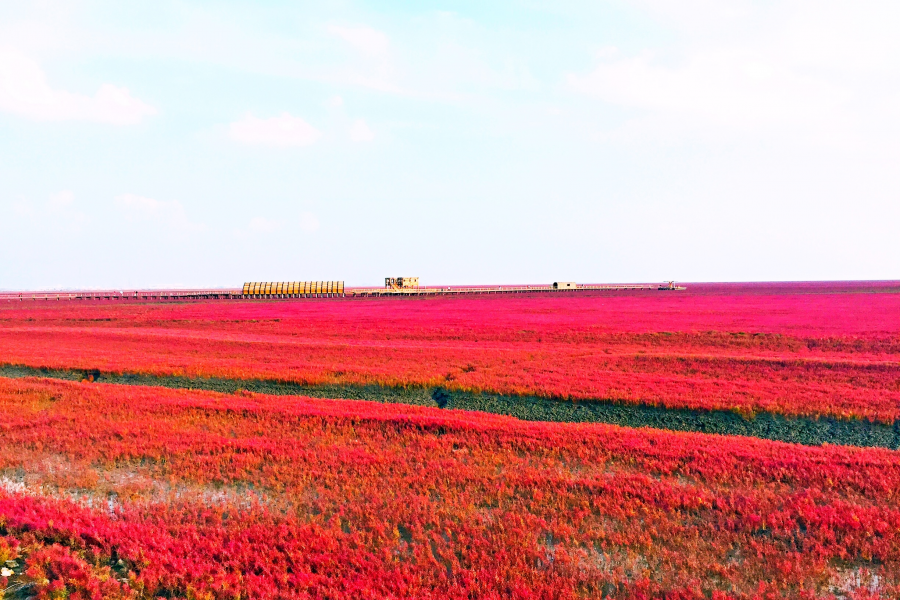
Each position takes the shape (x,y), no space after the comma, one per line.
(4,572)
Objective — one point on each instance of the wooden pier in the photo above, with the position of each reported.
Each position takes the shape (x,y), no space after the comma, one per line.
(124,295)
(350,292)
(503,289)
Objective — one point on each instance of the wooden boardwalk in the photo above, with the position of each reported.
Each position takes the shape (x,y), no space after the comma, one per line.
(356,292)
(502,289)
(141,295)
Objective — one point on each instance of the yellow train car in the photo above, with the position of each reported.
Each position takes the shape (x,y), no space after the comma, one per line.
(292,289)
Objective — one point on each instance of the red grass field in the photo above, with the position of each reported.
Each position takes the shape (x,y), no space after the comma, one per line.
(125,492)
(111,491)
(794,349)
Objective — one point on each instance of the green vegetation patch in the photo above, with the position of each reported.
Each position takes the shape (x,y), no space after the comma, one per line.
(801,430)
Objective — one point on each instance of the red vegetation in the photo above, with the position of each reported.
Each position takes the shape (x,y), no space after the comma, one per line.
(798,349)
(203,495)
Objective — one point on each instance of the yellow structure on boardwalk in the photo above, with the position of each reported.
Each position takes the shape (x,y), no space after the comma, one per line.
(401,283)
(292,289)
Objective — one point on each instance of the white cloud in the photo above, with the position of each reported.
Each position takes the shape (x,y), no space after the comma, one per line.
(264,225)
(730,88)
(457,68)
(58,213)
(308,222)
(139,204)
(285,130)
(373,66)
(62,213)
(360,132)
(819,71)
(697,15)
(24,91)
(168,212)
(22,208)
(61,200)
(368,41)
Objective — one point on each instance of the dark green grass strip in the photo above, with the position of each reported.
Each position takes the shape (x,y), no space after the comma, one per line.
(770,426)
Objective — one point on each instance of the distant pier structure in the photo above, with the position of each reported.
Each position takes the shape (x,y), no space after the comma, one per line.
(409,286)
(393,286)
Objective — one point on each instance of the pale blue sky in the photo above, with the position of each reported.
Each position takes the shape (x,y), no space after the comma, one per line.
(208,143)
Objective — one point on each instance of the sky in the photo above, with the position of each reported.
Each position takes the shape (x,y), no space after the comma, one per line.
(204,144)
